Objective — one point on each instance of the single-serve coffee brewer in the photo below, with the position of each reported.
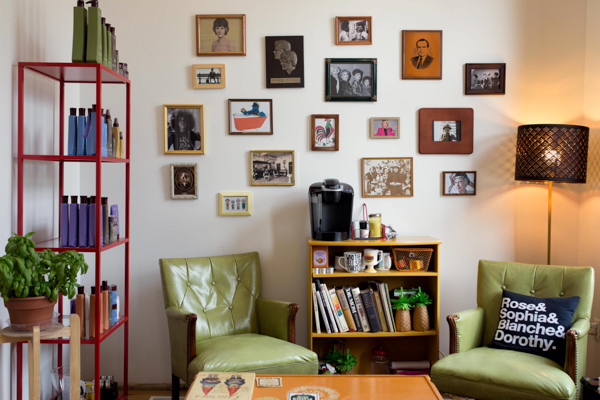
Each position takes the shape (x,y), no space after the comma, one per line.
(330,210)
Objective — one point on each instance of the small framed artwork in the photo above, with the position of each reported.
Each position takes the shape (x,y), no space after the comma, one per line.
(221,35)
(458,183)
(272,167)
(353,30)
(485,78)
(351,79)
(421,54)
(235,203)
(208,76)
(387,177)
(184,181)
(325,132)
(284,61)
(250,117)
(385,128)
(184,129)
(446,130)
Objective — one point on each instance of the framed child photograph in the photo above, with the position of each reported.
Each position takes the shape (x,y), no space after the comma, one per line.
(387,177)
(184,129)
(446,130)
(272,168)
(184,181)
(353,30)
(208,76)
(485,78)
(324,133)
(250,117)
(221,35)
(284,61)
(421,54)
(235,203)
(351,79)
(385,128)
(459,183)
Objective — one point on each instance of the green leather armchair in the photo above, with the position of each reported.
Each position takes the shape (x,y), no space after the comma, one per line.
(474,370)
(218,320)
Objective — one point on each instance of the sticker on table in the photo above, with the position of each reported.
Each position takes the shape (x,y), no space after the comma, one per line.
(303,396)
(324,393)
(268,382)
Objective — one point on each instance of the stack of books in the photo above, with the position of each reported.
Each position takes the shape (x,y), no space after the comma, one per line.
(410,367)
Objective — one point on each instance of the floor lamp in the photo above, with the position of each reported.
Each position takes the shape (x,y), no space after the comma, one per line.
(552,153)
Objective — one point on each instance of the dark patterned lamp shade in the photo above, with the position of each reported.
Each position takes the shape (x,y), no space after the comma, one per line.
(549,152)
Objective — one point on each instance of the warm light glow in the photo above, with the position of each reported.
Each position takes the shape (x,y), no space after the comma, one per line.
(552,156)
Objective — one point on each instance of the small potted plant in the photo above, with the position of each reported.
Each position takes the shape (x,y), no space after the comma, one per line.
(420,301)
(402,305)
(344,363)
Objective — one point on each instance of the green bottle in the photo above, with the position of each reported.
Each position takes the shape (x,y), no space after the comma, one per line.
(93,52)
(104,45)
(108,47)
(79,32)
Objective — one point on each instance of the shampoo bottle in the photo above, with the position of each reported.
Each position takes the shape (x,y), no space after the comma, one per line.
(81,133)
(90,138)
(92,324)
(79,32)
(104,305)
(73,221)
(92,222)
(115,133)
(115,316)
(105,227)
(64,221)
(109,321)
(121,148)
(72,137)
(115,64)
(109,50)
(93,53)
(104,48)
(104,150)
(80,308)
(109,134)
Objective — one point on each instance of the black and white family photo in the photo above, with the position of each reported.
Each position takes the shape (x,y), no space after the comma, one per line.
(351,81)
(387,177)
(353,30)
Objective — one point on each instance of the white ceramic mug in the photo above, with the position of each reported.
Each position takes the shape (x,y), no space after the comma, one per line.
(373,256)
(351,261)
(386,262)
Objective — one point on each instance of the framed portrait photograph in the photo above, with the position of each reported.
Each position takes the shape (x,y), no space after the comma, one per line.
(235,203)
(284,61)
(446,130)
(325,132)
(208,76)
(384,128)
(421,54)
(485,78)
(387,177)
(459,183)
(184,181)
(250,116)
(351,79)
(221,35)
(353,30)
(184,129)
(272,168)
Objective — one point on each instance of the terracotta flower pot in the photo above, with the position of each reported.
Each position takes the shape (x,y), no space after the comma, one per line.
(26,312)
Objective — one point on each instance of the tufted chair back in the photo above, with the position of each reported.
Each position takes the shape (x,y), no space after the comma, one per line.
(531,280)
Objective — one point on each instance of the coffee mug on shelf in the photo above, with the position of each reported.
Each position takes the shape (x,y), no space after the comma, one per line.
(386,263)
(351,261)
(372,257)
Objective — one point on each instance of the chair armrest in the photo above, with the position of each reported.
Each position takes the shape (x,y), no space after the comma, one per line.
(277,319)
(182,336)
(466,329)
(577,336)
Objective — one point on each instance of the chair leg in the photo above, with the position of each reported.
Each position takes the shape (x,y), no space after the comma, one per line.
(175,387)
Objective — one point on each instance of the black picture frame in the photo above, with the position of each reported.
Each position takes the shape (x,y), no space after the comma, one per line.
(335,90)
(485,78)
(284,61)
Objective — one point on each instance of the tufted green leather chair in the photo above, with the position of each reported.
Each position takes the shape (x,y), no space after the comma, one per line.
(218,320)
(474,370)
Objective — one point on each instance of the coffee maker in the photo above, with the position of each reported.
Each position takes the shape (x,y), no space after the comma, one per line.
(330,210)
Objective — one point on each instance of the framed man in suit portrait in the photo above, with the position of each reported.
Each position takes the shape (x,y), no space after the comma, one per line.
(421,54)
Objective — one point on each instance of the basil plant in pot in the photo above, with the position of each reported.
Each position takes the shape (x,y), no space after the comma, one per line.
(30,281)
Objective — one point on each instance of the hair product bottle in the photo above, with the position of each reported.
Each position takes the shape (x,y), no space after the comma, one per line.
(92,221)
(115,138)
(90,137)
(109,50)
(104,305)
(114,211)
(121,148)
(92,319)
(105,227)
(79,32)
(104,44)
(93,53)
(80,308)
(73,222)
(80,146)
(83,221)
(109,321)
(115,63)
(64,221)
(109,134)
(104,144)
(72,136)
(115,316)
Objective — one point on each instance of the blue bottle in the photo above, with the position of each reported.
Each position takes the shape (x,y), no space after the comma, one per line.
(72,136)
(90,136)
(73,222)
(92,222)
(64,222)
(104,135)
(83,221)
(81,132)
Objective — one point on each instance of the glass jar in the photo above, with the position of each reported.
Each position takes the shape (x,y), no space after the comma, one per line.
(380,364)
(375,225)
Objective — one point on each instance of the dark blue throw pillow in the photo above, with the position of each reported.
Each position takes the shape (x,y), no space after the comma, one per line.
(534,325)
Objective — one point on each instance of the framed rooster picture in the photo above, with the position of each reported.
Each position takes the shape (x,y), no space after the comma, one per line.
(325,132)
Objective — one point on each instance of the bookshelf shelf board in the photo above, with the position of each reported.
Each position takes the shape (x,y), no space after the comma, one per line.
(394,274)
(372,335)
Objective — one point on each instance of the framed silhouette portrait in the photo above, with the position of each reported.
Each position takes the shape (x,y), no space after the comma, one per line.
(284,60)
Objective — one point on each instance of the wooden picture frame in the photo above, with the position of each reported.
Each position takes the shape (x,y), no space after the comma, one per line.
(235,203)
(208,76)
(272,168)
(384,128)
(183,128)
(184,181)
(210,39)
(446,130)
(353,31)
(387,177)
(485,78)
(324,132)
(341,75)
(459,183)
(421,54)
(250,116)
(284,61)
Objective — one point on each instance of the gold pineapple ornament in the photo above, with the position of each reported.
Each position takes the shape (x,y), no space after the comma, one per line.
(402,305)
(420,300)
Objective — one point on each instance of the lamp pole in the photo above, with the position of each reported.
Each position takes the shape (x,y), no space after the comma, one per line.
(549,219)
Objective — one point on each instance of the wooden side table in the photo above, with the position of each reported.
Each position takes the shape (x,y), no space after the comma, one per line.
(57,330)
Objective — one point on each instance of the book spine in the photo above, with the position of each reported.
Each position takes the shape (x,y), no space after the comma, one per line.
(327,304)
(341,296)
(360,309)
(352,306)
(337,310)
(384,304)
(316,308)
(370,308)
(379,310)
(323,312)
(388,302)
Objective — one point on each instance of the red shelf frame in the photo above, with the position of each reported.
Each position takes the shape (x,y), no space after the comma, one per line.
(98,75)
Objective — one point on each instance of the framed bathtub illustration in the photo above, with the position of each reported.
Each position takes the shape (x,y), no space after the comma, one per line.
(250,116)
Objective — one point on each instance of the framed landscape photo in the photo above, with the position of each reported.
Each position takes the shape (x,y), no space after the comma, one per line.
(208,76)
(221,35)
(184,181)
(272,168)
(446,130)
(351,79)
(384,128)
(485,78)
(284,61)
(325,132)
(235,203)
(387,177)
(459,183)
(250,116)
(421,54)
(184,129)
(353,30)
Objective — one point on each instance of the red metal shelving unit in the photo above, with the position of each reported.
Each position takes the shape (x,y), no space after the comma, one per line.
(79,73)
